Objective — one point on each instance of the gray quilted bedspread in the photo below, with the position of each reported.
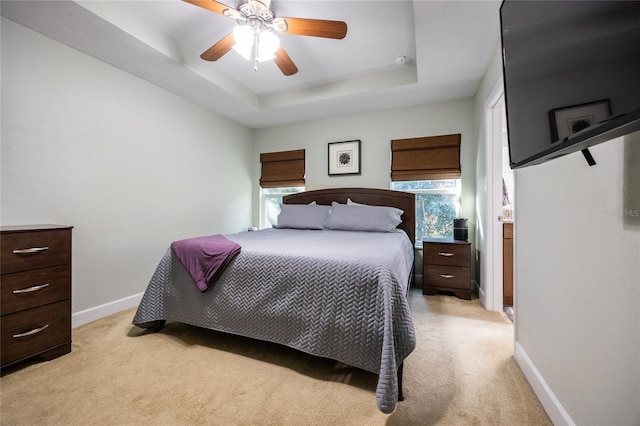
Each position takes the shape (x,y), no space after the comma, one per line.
(335,294)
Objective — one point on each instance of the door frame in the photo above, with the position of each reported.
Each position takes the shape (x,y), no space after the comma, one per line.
(492,267)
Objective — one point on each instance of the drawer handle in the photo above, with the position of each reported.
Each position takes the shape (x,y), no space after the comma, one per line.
(31,289)
(446,276)
(446,254)
(30,250)
(31,332)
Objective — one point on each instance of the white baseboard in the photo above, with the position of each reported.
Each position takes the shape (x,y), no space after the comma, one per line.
(551,404)
(95,313)
(481,295)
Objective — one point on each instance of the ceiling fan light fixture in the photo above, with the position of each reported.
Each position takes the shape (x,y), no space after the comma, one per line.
(256,36)
(267,46)
(243,36)
(245,40)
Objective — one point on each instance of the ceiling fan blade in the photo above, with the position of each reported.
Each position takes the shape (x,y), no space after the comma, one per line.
(314,27)
(219,49)
(284,62)
(211,5)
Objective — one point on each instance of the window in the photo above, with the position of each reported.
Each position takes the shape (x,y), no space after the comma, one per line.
(282,173)
(271,200)
(437,204)
(430,168)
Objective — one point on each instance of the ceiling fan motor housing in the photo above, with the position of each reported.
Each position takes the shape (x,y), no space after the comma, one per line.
(257,14)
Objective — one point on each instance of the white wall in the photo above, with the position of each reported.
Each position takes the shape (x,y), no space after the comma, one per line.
(578,281)
(375,130)
(131,166)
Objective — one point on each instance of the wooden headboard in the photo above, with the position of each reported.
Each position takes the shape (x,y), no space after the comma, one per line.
(372,196)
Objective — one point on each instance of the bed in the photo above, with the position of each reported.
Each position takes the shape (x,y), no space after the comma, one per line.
(330,290)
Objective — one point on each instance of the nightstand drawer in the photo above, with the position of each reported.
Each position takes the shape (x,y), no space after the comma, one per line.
(448,276)
(22,251)
(447,254)
(24,290)
(36,330)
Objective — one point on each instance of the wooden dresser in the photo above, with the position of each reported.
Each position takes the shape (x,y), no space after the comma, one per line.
(35,291)
(447,267)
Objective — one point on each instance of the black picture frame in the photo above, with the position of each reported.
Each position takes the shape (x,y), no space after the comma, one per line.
(343,158)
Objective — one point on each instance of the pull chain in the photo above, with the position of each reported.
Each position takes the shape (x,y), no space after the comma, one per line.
(256,49)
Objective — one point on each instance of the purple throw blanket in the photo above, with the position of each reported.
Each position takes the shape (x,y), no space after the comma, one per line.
(205,258)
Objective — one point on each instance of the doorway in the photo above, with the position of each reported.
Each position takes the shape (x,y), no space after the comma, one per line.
(499,208)
(508,198)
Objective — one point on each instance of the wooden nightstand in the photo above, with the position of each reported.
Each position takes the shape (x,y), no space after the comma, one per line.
(446,267)
(35,292)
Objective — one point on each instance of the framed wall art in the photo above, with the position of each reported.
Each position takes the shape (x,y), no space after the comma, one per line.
(344,158)
(566,121)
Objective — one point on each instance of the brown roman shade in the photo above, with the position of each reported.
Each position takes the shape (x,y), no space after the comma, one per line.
(427,158)
(282,169)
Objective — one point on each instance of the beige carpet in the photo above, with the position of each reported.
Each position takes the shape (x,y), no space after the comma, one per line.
(461,373)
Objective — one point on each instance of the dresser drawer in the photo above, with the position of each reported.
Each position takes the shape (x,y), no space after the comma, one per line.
(446,254)
(36,330)
(447,276)
(22,251)
(24,290)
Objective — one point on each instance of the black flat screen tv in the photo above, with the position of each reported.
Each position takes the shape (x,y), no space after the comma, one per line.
(571,75)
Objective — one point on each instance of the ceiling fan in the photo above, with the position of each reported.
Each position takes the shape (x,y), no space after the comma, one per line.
(254,36)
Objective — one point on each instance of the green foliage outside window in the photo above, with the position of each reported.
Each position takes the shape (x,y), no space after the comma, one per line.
(418,185)
(434,215)
(436,206)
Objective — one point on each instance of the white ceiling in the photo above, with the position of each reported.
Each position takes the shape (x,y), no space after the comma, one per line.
(448,45)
